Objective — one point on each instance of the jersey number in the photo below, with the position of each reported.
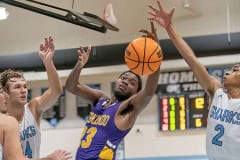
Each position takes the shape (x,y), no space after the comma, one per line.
(28,150)
(89,133)
(220,133)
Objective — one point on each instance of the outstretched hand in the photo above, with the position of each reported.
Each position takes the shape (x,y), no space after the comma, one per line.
(160,16)
(152,34)
(46,49)
(83,55)
(60,155)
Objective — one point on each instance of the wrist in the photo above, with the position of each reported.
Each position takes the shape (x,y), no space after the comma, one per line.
(79,65)
(169,27)
(48,63)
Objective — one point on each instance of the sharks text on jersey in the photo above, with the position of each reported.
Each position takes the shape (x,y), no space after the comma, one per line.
(225,115)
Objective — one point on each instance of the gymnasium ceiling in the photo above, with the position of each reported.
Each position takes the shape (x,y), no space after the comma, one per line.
(24,30)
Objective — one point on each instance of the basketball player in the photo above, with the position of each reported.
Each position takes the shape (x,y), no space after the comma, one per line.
(10,147)
(223,130)
(112,117)
(29,114)
(3,104)
(9,133)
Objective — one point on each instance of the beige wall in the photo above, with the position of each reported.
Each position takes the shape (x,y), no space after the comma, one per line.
(24,30)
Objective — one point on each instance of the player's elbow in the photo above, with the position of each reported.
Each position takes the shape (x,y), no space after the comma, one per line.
(59,91)
(149,92)
(56,92)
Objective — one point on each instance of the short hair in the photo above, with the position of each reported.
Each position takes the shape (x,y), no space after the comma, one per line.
(138,77)
(6,75)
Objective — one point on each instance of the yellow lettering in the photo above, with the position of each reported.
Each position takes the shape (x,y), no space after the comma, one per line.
(101,120)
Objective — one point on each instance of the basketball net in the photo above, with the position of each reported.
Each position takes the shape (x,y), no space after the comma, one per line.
(108,14)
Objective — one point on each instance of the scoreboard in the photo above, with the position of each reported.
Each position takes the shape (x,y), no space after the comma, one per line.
(183,111)
(182,102)
(198,109)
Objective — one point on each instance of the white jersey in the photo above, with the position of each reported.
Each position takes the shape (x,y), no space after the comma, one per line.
(223,129)
(1,152)
(30,135)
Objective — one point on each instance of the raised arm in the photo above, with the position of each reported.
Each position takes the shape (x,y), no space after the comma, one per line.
(164,19)
(50,96)
(73,84)
(136,103)
(142,99)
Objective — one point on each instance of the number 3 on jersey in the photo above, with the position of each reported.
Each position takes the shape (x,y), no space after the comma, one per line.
(220,133)
(88,133)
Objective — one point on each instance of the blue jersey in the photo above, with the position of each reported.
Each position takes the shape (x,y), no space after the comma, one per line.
(100,136)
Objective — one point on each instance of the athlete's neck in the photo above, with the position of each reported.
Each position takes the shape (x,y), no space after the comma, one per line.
(233,93)
(16,112)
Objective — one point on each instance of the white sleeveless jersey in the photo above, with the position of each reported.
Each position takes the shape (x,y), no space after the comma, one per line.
(30,135)
(1,152)
(223,129)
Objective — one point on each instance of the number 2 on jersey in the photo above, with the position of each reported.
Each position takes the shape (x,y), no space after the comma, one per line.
(89,133)
(220,133)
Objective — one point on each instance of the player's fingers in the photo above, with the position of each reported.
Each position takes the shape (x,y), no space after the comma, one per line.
(152,19)
(147,34)
(172,12)
(79,55)
(153,29)
(41,47)
(67,154)
(144,31)
(50,39)
(89,49)
(81,49)
(152,8)
(159,5)
(46,42)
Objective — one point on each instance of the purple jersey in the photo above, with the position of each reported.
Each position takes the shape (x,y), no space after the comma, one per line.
(100,136)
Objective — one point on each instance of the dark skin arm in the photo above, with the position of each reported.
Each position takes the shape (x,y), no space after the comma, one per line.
(73,84)
(141,99)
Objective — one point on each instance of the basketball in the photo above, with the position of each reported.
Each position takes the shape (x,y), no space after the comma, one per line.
(143,56)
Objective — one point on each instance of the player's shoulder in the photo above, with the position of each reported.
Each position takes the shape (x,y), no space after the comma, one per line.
(219,91)
(32,105)
(11,120)
(8,121)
